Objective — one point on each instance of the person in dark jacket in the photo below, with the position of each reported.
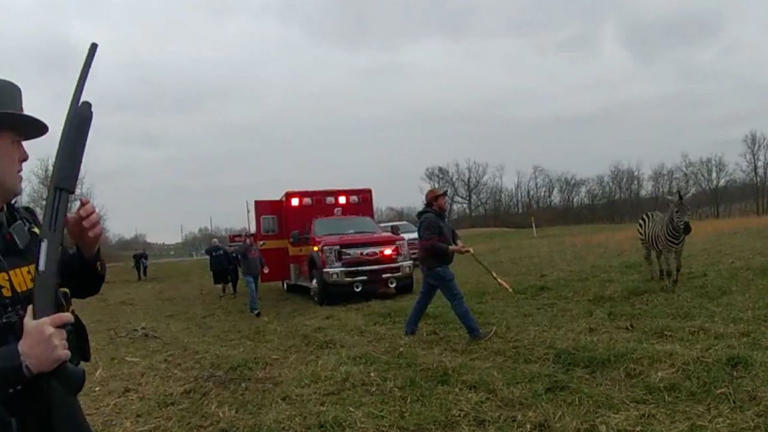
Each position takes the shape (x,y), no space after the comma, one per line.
(140,263)
(252,263)
(219,264)
(234,269)
(28,346)
(438,243)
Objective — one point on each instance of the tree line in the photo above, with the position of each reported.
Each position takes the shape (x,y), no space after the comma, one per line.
(481,194)
(116,247)
(193,244)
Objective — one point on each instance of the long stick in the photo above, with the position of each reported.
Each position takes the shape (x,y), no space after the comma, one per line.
(492,273)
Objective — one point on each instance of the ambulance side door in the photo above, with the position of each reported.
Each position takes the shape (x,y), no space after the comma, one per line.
(272,239)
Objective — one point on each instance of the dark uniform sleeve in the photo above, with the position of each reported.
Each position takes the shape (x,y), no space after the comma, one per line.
(11,372)
(430,232)
(82,276)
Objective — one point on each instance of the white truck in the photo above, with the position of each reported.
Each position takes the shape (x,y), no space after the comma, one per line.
(409,232)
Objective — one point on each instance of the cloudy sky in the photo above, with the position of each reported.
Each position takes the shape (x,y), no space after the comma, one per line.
(200,106)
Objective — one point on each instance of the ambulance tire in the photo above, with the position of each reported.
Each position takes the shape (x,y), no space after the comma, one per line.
(317,290)
(405,287)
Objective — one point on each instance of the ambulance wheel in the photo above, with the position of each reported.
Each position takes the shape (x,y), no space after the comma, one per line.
(317,288)
(405,287)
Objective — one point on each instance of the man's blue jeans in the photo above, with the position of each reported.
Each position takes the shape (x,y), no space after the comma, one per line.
(441,278)
(253,291)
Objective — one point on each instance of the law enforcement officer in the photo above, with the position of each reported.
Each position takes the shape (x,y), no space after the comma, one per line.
(27,346)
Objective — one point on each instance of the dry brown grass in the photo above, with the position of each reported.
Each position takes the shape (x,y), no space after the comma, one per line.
(732,225)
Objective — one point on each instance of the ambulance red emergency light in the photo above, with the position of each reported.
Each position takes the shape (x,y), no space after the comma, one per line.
(327,241)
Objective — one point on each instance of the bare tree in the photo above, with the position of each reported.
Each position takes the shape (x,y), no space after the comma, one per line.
(711,174)
(662,182)
(541,188)
(441,178)
(755,166)
(764,173)
(396,214)
(471,178)
(568,188)
(492,197)
(597,190)
(626,181)
(517,193)
(36,189)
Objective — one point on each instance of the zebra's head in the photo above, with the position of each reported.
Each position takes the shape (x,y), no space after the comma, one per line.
(678,211)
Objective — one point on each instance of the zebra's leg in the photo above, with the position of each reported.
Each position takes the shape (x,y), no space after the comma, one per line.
(678,265)
(668,269)
(648,260)
(660,262)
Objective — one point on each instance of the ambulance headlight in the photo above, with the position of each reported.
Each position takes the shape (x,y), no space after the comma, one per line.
(331,255)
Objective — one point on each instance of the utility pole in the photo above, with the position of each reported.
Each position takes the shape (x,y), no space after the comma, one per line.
(248,215)
(181,229)
(210,218)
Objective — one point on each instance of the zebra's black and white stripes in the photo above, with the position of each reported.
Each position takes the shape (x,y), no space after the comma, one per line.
(665,235)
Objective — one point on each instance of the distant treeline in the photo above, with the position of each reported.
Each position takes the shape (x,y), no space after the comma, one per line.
(121,248)
(482,195)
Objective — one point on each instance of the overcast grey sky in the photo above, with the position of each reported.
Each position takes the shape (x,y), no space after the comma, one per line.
(200,106)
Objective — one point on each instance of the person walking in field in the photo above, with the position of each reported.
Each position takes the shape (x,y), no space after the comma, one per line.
(140,263)
(219,262)
(234,269)
(252,263)
(438,243)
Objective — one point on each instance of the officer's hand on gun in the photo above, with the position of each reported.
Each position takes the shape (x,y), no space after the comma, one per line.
(84,228)
(43,344)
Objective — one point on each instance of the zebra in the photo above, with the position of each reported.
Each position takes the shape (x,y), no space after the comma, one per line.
(665,234)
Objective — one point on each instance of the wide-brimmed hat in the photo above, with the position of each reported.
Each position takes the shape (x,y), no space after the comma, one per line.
(12,116)
(433,195)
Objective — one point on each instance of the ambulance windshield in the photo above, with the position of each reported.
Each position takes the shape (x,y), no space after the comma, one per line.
(345,225)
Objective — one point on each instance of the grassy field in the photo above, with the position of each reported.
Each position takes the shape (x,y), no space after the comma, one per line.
(587,343)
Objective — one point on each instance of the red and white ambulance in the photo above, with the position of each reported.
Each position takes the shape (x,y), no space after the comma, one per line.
(328,241)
